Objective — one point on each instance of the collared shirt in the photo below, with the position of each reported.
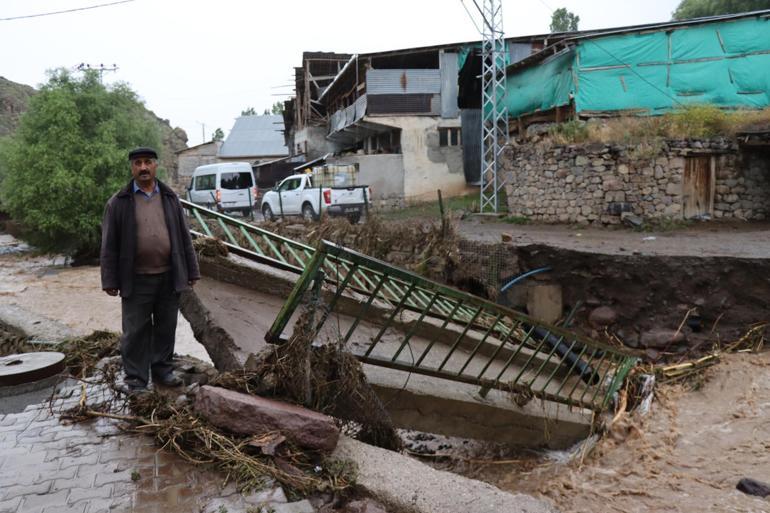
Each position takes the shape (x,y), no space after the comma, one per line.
(155,191)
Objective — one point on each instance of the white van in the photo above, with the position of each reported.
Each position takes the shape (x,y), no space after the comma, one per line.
(227,187)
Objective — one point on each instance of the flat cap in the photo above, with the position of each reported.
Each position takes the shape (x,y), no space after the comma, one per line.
(142,152)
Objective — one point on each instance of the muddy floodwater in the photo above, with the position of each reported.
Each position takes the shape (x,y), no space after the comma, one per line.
(43,287)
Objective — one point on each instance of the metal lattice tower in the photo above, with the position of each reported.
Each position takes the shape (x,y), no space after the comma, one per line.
(494,111)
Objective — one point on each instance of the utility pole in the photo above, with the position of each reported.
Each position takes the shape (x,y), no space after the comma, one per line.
(101,68)
(494,111)
(203,131)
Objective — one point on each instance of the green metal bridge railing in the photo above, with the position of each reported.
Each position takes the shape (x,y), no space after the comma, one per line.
(429,328)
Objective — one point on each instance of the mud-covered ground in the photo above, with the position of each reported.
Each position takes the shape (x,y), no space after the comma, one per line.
(686,455)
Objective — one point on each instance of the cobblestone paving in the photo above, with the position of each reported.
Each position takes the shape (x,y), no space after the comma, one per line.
(47,466)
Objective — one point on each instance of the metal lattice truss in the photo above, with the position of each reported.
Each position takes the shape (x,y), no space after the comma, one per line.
(494,111)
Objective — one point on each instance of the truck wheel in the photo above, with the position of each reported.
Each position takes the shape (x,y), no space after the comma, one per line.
(308,214)
(267,212)
(354,218)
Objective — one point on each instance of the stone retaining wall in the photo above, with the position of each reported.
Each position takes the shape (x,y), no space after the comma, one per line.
(595,183)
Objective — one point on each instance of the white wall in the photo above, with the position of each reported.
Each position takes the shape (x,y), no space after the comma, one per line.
(427,166)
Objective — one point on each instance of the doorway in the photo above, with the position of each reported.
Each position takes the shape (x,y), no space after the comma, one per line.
(698,185)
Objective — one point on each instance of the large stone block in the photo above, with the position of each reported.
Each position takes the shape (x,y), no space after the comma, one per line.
(249,414)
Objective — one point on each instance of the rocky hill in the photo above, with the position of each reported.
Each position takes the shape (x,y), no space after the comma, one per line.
(13,102)
(14,99)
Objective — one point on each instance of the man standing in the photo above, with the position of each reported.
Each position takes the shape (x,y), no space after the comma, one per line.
(147,257)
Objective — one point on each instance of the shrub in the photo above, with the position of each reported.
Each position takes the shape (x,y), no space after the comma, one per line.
(68,156)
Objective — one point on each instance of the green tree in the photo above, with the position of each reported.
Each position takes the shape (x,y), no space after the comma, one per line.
(249,112)
(276,108)
(697,8)
(564,21)
(218,135)
(68,156)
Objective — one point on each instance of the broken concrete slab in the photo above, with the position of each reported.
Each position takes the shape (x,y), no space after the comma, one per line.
(39,328)
(249,414)
(544,302)
(429,405)
(241,304)
(418,488)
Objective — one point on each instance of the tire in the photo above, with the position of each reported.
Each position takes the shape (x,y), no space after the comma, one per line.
(267,212)
(308,214)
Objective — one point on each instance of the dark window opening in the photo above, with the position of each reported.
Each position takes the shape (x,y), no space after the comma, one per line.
(449,136)
(236,180)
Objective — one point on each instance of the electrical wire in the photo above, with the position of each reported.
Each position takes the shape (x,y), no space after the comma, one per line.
(631,69)
(471,17)
(65,11)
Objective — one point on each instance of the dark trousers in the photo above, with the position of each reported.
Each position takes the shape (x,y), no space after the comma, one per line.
(149,327)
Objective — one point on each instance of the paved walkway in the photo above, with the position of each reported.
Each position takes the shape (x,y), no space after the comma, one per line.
(50,467)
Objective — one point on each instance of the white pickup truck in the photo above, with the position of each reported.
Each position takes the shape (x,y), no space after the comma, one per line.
(296,195)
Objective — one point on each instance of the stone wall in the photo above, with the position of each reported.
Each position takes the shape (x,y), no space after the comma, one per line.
(595,183)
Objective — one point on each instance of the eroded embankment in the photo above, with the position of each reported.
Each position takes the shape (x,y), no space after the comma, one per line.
(703,300)
(723,295)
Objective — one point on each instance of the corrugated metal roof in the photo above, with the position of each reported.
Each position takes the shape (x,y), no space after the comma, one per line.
(403,81)
(255,136)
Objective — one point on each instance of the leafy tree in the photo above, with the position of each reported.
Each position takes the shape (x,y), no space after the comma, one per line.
(68,156)
(248,112)
(697,8)
(218,135)
(276,108)
(564,21)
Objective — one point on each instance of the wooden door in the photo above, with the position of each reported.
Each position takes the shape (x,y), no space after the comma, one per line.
(698,187)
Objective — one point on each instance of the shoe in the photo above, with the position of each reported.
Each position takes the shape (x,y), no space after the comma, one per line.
(169,380)
(132,389)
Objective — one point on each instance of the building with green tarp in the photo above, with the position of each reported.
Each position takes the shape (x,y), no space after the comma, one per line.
(723,60)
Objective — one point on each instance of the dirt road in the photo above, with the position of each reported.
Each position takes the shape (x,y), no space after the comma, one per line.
(713,239)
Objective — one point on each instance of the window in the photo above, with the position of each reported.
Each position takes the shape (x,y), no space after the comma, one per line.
(205,182)
(290,185)
(449,136)
(240,180)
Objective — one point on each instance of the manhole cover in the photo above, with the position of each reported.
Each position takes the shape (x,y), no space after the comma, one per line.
(17,369)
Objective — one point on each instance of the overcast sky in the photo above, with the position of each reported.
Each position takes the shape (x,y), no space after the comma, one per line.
(201,63)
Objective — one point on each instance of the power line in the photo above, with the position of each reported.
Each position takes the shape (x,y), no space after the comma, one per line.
(631,69)
(65,11)
(471,17)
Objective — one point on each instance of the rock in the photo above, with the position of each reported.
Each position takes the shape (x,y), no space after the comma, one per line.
(602,316)
(364,506)
(302,506)
(660,338)
(249,414)
(753,487)
(652,355)
(506,237)
(270,495)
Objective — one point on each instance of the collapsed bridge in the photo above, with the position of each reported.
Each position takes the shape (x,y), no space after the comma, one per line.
(441,360)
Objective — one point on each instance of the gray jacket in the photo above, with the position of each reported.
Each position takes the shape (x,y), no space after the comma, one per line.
(119,241)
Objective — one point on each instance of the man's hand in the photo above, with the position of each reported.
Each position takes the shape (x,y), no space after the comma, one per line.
(111,292)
